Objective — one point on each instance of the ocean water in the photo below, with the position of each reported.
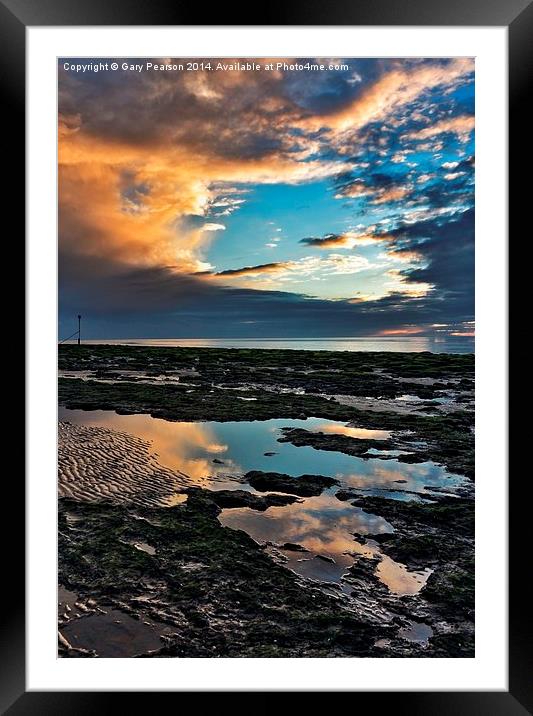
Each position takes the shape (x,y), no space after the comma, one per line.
(448,344)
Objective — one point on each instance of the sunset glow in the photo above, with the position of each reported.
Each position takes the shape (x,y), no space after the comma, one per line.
(244,203)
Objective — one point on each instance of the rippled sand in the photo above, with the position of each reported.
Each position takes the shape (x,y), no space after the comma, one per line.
(98,463)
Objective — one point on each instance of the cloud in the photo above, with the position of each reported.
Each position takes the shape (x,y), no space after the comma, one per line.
(348,240)
(254,270)
(213,227)
(453,175)
(153,167)
(389,194)
(96,219)
(377,188)
(353,189)
(446,250)
(407,331)
(327,242)
(233,128)
(191,141)
(393,90)
(461,126)
(121,303)
(334,264)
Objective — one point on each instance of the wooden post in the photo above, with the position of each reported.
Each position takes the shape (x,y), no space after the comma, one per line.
(79,329)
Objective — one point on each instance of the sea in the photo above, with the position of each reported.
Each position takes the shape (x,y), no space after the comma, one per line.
(411,344)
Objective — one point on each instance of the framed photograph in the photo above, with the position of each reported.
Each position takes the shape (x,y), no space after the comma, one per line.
(267,354)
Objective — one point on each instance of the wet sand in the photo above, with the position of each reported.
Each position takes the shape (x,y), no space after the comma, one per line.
(97,463)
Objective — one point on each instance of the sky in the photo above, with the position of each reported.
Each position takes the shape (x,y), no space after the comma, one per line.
(283,202)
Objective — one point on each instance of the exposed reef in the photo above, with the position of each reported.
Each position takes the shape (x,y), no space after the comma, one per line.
(147,568)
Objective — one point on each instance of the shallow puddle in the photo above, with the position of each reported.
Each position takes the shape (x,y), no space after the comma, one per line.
(217,454)
(399,579)
(108,632)
(417,632)
(66,601)
(326,426)
(113,634)
(325,527)
(211,453)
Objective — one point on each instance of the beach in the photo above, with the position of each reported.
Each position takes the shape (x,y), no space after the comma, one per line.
(247,502)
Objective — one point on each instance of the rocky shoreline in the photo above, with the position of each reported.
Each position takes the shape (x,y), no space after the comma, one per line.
(137,540)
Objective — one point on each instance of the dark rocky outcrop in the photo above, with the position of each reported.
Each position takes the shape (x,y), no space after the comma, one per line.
(304,485)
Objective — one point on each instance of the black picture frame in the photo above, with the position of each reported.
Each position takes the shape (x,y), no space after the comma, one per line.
(517,15)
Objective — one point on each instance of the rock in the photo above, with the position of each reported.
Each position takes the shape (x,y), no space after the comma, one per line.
(241,498)
(400,481)
(217,461)
(364,569)
(383,537)
(412,458)
(269,454)
(344,495)
(324,558)
(337,443)
(304,485)
(292,547)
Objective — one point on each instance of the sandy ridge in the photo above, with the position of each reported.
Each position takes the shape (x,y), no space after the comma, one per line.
(97,463)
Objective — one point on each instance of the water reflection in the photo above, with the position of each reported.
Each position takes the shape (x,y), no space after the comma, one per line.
(189,448)
(324,524)
(399,579)
(212,451)
(325,527)
(363,433)
(417,632)
(215,454)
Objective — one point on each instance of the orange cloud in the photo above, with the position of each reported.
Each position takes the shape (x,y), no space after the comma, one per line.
(276,275)
(358,188)
(95,217)
(375,194)
(129,182)
(461,126)
(395,89)
(407,255)
(391,194)
(349,240)
(255,270)
(401,284)
(408,331)
(105,154)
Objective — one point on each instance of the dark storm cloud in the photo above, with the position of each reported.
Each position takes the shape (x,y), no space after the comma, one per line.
(120,177)
(449,252)
(327,241)
(149,108)
(160,303)
(261,268)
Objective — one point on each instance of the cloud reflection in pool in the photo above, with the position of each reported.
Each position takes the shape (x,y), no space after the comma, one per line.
(212,453)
